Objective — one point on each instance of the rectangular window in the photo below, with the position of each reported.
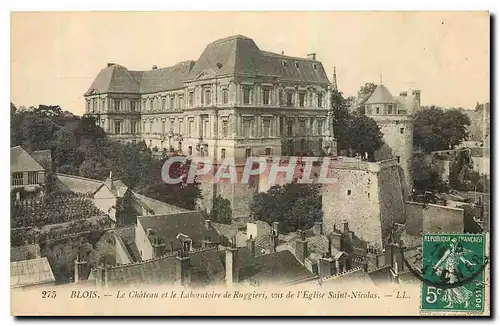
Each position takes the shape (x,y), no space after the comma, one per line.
(144,105)
(17,179)
(190,150)
(223,153)
(181,102)
(151,126)
(246,128)
(401,130)
(246,95)
(266,128)
(282,125)
(163,103)
(266,96)
(302,126)
(320,100)
(248,153)
(225,97)
(205,128)
(398,158)
(289,99)
(268,151)
(290,128)
(389,109)
(132,106)
(282,98)
(172,103)
(118,127)
(151,105)
(133,127)
(377,110)
(320,127)
(302,97)
(144,126)
(163,126)
(191,98)
(117,105)
(208,95)
(32,178)
(225,129)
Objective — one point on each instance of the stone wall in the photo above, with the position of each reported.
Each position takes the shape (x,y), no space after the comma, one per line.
(433,218)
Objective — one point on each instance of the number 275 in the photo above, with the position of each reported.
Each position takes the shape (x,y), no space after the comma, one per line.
(48,294)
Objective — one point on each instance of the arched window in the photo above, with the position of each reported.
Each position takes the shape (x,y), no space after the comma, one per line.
(268,151)
(248,152)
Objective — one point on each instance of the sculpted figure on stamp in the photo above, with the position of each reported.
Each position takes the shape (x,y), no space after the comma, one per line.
(453,272)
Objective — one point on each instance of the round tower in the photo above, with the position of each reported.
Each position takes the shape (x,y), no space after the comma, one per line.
(394,115)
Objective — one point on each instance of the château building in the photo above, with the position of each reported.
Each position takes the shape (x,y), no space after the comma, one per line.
(235,100)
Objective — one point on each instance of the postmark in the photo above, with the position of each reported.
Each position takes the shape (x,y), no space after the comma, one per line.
(453,272)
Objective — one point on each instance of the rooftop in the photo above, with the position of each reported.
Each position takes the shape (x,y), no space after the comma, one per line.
(30,272)
(381,95)
(21,161)
(234,55)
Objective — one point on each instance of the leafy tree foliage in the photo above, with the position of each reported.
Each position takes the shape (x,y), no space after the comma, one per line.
(294,206)
(221,211)
(425,178)
(353,131)
(363,94)
(437,129)
(364,136)
(80,147)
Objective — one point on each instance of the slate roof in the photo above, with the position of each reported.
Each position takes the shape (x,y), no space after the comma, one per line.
(234,55)
(280,267)
(168,226)
(127,236)
(206,269)
(21,161)
(381,95)
(381,275)
(77,184)
(30,272)
(353,275)
(156,206)
(226,230)
(24,252)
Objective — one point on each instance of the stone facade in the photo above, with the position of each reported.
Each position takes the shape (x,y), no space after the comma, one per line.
(236,100)
(394,115)
(367,194)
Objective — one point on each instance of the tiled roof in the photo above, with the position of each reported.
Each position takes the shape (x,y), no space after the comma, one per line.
(157,206)
(381,95)
(21,161)
(164,79)
(206,269)
(280,267)
(24,252)
(226,230)
(77,184)
(234,55)
(169,226)
(30,272)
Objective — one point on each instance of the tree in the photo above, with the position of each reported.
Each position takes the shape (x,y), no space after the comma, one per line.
(364,136)
(183,194)
(436,129)
(425,178)
(363,95)
(221,211)
(340,117)
(294,206)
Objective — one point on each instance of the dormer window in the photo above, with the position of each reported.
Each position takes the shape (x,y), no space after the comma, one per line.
(283,62)
(296,64)
(315,66)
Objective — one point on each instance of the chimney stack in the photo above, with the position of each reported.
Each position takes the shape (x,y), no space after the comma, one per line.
(183,269)
(345,227)
(301,246)
(232,268)
(251,244)
(149,232)
(109,180)
(154,67)
(208,224)
(159,247)
(274,236)
(111,64)
(318,228)
(80,267)
(311,56)
(326,267)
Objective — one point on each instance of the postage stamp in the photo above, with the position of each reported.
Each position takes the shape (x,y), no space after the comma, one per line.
(453,272)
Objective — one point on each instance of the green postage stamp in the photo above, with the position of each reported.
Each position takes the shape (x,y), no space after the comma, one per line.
(453,272)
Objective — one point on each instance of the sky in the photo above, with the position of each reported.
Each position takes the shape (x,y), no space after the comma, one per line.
(56,55)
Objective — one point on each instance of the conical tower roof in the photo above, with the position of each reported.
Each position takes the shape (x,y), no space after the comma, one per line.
(381,95)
